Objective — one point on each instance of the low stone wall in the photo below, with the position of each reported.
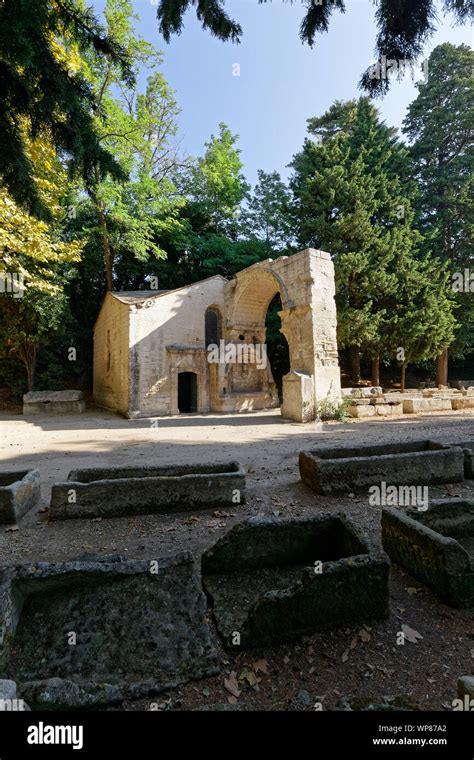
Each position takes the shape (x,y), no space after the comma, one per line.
(467,402)
(54,402)
(343,470)
(376,407)
(417,405)
(119,491)
(20,491)
(272,579)
(435,546)
(107,630)
(373,391)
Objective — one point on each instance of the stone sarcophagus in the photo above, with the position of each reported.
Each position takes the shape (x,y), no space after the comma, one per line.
(273,579)
(346,469)
(107,630)
(54,402)
(20,491)
(122,491)
(436,546)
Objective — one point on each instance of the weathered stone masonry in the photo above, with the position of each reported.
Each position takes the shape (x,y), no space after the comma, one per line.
(144,342)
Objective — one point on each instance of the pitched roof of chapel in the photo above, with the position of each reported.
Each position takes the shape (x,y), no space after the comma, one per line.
(137,296)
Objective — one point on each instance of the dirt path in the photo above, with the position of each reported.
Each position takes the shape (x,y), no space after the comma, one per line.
(323,667)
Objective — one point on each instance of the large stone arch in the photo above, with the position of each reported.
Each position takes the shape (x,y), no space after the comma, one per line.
(305,282)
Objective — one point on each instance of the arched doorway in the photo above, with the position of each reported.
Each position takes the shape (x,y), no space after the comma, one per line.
(305,282)
(260,301)
(278,351)
(187,392)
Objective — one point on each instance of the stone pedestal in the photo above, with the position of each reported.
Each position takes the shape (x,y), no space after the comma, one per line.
(298,399)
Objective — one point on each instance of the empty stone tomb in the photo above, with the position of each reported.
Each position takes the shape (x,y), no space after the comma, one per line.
(20,491)
(106,630)
(54,402)
(468,451)
(436,546)
(342,470)
(272,579)
(118,491)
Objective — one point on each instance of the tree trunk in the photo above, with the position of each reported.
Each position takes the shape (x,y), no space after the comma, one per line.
(442,368)
(106,248)
(28,356)
(404,367)
(354,362)
(108,258)
(376,370)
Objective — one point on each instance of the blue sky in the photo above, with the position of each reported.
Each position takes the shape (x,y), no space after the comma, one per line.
(282,82)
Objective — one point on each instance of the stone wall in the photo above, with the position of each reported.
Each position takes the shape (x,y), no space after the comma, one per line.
(143,340)
(306,285)
(167,336)
(111,336)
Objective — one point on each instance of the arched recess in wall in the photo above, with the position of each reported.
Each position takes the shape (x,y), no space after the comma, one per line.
(259,297)
(213,325)
(253,295)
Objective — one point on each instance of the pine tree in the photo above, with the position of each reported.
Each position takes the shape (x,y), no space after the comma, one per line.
(404,26)
(41,87)
(268,213)
(439,125)
(351,200)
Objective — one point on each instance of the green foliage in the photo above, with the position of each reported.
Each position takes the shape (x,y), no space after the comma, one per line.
(353,198)
(42,88)
(268,213)
(210,13)
(138,128)
(215,187)
(332,409)
(440,127)
(29,323)
(404,26)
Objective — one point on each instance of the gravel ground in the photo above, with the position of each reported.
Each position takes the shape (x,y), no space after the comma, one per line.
(317,670)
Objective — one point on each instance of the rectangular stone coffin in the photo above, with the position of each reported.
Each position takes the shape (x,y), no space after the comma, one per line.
(272,579)
(87,633)
(344,470)
(468,451)
(20,491)
(417,405)
(120,491)
(466,402)
(436,546)
(54,402)
(375,407)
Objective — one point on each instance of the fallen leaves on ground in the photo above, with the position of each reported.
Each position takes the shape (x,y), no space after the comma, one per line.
(410,634)
(260,665)
(231,685)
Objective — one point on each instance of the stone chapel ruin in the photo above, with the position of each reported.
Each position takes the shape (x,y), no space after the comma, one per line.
(151,353)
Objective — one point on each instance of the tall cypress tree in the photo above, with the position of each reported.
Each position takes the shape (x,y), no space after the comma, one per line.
(439,124)
(353,197)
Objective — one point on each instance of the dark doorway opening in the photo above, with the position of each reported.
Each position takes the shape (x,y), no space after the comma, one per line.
(277,346)
(187,392)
